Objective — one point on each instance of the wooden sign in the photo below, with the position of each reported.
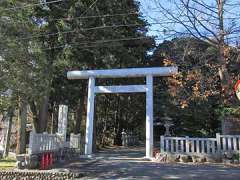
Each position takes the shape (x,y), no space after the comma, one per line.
(237,89)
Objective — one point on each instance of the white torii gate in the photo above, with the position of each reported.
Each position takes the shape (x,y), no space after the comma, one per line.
(147,88)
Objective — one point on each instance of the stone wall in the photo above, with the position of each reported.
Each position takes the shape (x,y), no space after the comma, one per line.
(231,126)
(34,175)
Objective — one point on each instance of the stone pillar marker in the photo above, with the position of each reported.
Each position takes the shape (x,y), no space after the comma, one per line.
(62,121)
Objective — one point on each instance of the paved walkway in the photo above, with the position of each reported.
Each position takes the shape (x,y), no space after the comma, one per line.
(129,164)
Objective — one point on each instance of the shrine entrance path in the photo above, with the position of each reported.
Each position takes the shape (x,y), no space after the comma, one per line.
(122,163)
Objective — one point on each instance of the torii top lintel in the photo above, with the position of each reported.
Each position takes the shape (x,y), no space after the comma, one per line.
(120,73)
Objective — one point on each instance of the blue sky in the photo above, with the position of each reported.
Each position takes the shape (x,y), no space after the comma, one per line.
(152,14)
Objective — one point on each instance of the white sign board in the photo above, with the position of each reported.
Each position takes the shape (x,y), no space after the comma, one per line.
(62,120)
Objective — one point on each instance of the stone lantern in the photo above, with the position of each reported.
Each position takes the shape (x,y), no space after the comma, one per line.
(167,124)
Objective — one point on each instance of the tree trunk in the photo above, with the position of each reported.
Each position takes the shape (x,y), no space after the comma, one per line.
(9,131)
(21,126)
(79,114)
(35,117)
(222,70)
(43,114)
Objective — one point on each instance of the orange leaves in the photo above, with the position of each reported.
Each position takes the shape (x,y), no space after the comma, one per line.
(168,62)
(184,104)
(227,52)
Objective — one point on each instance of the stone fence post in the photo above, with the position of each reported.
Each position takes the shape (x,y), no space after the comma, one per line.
(218,137)
(124,139)
(161,144)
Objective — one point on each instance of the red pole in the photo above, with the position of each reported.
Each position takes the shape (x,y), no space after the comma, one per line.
(42,166)
(51,159)
(47,160)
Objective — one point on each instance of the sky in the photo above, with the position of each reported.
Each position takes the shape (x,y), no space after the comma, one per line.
(153,15)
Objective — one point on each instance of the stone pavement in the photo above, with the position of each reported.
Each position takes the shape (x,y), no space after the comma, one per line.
(123,163)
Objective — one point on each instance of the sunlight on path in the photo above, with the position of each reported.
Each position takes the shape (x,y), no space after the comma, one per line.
(121,163)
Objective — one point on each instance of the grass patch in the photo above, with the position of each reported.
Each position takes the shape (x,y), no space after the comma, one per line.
(7,163)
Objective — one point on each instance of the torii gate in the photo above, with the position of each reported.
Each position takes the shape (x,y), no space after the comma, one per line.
(147,88)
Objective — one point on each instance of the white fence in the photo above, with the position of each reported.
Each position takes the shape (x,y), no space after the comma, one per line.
(129,139)
(40,143)
(186,145)
(75,141)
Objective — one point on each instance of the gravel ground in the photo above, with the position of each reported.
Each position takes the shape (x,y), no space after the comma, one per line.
(122,163)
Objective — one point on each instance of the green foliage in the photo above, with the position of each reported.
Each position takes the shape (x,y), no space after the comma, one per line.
(7,163)
(36,55)
(228,111)
(236,156)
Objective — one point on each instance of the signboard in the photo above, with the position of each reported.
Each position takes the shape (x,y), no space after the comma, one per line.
(237,89)
(62,120)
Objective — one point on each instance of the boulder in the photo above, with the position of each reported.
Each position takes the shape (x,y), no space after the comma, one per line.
(20,164)
(214,158)
(185,159)
(227,161)
(173,158)
(33,162)
(228,155)
(196,159)
(160,157)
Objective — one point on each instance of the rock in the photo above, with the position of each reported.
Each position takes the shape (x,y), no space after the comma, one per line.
(228,155)
(33,162)
(185,158)
(173,158)
(20,157)
(236,161)
(227,161)
(195,159)
(161,157)
(20,165)
(202,159)
(214,158)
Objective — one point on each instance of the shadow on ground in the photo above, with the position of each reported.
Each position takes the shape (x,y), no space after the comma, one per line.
(123,163)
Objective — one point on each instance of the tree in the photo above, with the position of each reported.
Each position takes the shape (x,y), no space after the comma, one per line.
(21,70)
(192,97)
(56,37)
(215,22)
(86,48)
